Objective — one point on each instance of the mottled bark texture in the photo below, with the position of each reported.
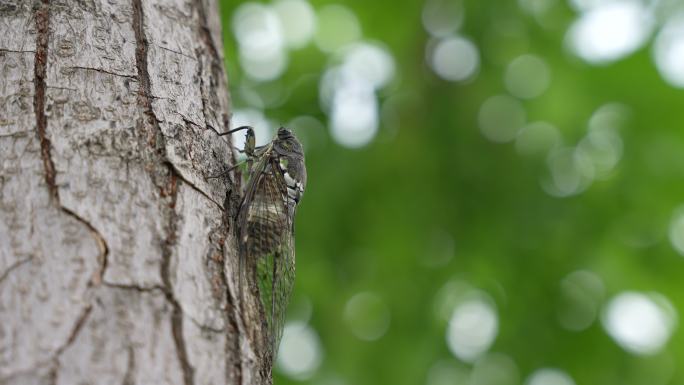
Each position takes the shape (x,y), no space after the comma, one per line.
(116,265)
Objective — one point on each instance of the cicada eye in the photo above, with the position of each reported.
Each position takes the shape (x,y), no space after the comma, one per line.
(284,133)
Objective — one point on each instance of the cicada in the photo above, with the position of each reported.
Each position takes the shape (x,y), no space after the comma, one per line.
(276,178)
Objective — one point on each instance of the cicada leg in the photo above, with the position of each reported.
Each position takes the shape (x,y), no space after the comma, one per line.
(250,141)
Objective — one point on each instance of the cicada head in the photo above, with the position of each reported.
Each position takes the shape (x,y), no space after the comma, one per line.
(287,144)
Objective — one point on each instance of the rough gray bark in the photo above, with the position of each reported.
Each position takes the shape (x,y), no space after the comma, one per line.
(116,266)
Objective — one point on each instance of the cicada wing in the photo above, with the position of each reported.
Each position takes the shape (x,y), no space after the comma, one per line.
(284,278)
(267,243)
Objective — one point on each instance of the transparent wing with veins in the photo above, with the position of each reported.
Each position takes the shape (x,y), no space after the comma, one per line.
(267,239)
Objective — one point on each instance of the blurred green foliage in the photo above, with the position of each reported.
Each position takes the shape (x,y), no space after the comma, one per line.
(430,200)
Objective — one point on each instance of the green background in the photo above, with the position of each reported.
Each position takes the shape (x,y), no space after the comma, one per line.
(430,211)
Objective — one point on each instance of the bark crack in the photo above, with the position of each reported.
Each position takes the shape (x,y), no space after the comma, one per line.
(62,88)
(103,71)
(165,272)
(232,347)
(168,184)
(176,52)
(130,368)
(205,32)
(42,18)
(233,354)
(144,91)
(12,267)
(201,87)
(5,50)
(140,289)
(16,134)
(97,278)
(162,290)
(53,374)
(78,326)
(216,62)
(180,176)
(42,22)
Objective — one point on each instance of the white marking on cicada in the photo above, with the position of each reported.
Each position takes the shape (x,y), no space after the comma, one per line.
(295,188)
(291,182)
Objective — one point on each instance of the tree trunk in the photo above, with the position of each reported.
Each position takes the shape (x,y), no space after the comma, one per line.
(116,262)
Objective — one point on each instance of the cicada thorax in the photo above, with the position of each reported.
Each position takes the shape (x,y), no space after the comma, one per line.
(291,163)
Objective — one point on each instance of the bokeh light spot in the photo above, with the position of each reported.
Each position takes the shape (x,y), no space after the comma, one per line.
(257,28)
(527,77)
(354,117)
(473,328)
(300,352)
(668,51)
(300,309)
(448,297)
(331,81)
(549,376)
(310,131)
(581,295)
(367,316)
(454,59)
(370,62)
(264,68)
(602,146)
(610,116)
(337,26)
(640,323)
(676,231)
(603,149)
(261,41)
(536,8)
(298,21)
(587,5)
(447,372)
(443,17)
(348,92)
(571,172)
(495,369)
(537,138)
(500,118)
(610,31)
